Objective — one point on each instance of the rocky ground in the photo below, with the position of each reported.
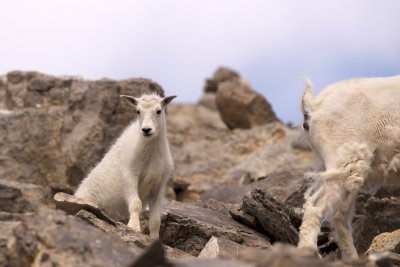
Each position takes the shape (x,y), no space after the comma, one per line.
(235,199)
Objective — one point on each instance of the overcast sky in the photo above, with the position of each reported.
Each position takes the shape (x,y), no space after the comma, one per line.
(179,43)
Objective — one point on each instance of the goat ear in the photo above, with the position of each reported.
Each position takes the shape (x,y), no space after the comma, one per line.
(167,100)
(130,99)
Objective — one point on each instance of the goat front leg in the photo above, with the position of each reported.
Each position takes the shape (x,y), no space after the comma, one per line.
(134,203)
(135,208)
(155,205)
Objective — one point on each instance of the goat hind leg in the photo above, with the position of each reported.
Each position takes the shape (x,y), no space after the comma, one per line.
(342,224)
(318,205)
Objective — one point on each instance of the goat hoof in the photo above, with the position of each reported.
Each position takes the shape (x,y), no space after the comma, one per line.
(134,226)
(310,252)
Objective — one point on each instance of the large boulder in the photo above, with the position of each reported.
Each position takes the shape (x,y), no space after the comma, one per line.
(51,238)
(221,75)
(58,128)
(242,107)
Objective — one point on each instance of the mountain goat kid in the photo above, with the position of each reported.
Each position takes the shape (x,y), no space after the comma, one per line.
(354,126)
(135,171)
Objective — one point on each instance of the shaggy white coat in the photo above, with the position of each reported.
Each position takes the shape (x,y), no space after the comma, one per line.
(354,126)
(135,171)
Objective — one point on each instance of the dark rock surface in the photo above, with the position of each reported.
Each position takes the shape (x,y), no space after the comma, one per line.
(375,216)
(277,219)
(189,228)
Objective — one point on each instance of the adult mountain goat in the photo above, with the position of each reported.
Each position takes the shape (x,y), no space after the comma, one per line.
(354,126)
(135,171)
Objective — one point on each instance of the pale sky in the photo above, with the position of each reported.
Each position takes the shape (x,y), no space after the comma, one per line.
(179,43)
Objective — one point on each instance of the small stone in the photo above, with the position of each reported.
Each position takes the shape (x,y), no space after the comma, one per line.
(385,242)
(220,247)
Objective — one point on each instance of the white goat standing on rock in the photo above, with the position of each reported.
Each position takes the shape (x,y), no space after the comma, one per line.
(354,126)
(135,171)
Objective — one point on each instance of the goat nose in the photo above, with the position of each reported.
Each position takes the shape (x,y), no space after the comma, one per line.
(146,130)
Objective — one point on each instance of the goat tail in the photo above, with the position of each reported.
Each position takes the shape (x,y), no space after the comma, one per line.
(307,101)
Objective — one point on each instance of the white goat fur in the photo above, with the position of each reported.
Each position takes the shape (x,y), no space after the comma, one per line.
(354,126)
(135,171)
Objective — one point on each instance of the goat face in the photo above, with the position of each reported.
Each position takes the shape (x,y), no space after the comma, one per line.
(150,110)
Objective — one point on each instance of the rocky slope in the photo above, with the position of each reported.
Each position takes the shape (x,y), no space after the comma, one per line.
(235,198)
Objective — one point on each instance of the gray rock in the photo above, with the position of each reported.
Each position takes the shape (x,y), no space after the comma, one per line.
(189,228)
(52,238)
(375,216)
(277,219)
(222,74)
(18,197)
(128,235)
(119,229)
(72,205)
(241,107)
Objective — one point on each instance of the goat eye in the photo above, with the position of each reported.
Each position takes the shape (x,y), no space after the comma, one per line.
(158,111)
(138,112)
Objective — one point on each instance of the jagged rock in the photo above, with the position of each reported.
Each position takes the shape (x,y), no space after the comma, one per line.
(128,235)
(189,227)
(246,219)
(385,242)
(119,229)
(280,185)
(60,127)
(222,74)
(277,219)
(72,205)
(52,238)
(220,247)
(241,107)
(22,197)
